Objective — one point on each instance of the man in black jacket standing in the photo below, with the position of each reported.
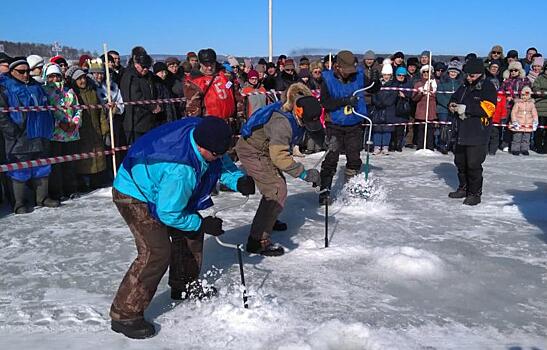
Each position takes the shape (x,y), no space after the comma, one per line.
(137,85)
(474,104)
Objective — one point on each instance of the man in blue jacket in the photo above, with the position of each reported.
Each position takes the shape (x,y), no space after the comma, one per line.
(165,179)
(344,128)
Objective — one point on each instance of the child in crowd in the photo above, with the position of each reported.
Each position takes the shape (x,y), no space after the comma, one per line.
(524,120)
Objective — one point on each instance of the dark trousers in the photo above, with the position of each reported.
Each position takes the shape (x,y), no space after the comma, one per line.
(468,160)
(494,141)
(63,180)
(397,138)
(540,137)
(158,247)
(421,134)
(342,138)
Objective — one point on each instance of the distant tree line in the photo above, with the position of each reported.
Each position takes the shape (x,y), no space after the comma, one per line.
(45,50)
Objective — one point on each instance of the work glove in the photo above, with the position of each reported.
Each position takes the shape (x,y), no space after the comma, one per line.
(534,125)
(515,125)
(311,175)
(246,185)
(351,101)
(211,225)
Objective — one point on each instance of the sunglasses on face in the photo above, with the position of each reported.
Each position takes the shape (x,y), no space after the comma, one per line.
(316,72)
(513,70)
(22,71)
(496,52)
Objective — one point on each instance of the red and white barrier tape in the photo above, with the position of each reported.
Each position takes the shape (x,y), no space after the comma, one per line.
(59,159)
(79,156)
(182,99)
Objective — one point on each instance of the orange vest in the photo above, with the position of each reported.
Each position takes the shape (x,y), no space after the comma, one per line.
(219,100)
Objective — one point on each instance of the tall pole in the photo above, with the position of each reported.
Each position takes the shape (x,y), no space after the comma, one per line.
(270,41)
(427,98)
(110,114)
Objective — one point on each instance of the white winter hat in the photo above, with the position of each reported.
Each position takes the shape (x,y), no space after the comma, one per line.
(387,61)
(387,69)
(53,69)
(424,68)
(35,61)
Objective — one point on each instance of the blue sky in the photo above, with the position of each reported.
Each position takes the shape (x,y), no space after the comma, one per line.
(241,27)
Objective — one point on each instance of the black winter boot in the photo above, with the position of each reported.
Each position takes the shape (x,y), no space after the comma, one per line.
(19,190)
(135,329)
(264,247)
(42,190)
(472,199)
(279,226)
(461,192)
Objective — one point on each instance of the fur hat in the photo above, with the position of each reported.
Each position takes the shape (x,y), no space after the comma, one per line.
(207,56)
(424,68)
(412,61)
(387,69)
(159,66)
(474,66)
(294,91)
(516,65)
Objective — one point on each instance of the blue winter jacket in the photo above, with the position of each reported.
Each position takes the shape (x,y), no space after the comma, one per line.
(170,187)
(339,90)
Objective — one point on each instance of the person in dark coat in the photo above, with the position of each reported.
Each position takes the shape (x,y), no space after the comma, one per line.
(270,76)
(383,112)
(474,103)
(168,110)
(286,77)
(137,84)
(403,109)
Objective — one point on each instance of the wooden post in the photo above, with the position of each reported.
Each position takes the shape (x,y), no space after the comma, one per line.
(110,114)
(427,99)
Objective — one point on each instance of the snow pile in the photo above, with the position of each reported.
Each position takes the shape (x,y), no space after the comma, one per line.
(407,262)
(335,335)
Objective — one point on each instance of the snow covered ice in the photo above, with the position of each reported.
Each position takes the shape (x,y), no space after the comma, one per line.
(407,269)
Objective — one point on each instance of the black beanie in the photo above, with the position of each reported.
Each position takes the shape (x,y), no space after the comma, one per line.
(213,134)
(474,66)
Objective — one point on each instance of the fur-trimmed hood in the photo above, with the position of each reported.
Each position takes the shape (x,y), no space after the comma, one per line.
(514,65)
(294,92)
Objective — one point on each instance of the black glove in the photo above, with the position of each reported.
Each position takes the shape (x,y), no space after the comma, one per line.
(312,175)
(211,225)
(246,185)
